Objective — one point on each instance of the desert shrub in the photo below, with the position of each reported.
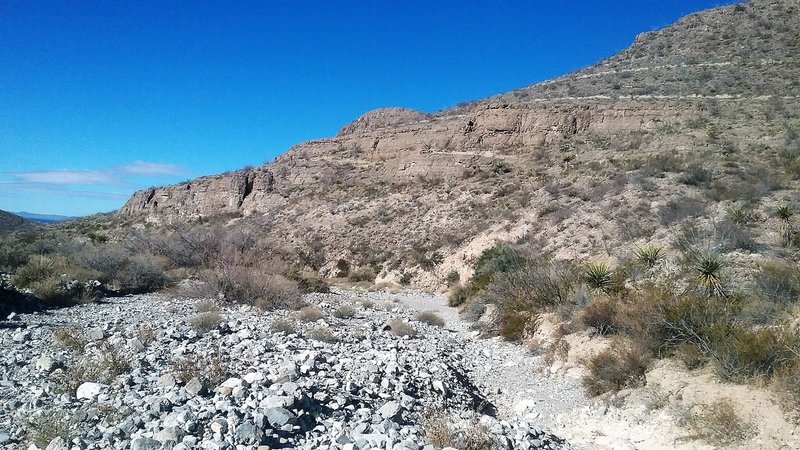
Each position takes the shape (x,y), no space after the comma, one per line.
(649,255)
(598,275)
(38,268)
(676,211)
(342,268)
(778,282)
(362,274)
(344,312)
(205,321)
(720,424)
(211,370)
(512,325)
(284,325)
(114,361)
(744,354)
(690,355)
(442,433)
(458,295)
(322,334)
(310,314)
(405,278)
(310,282)
(532,287)
(430,317)
(696,175)
(401,328)
(71,339)
(42,427)
(257,285)
(367,303)
(498,259)
(452,278)
(618,367)
(207,305)
(741,215)
(786,385)
(600,314)
(732,236)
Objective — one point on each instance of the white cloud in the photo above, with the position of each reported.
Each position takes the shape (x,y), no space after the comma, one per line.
(149,168)
(107,176)
(66,176)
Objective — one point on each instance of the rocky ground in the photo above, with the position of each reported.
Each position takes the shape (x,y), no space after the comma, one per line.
(140,372)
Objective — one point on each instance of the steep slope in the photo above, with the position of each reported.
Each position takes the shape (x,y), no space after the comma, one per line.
(10,222)
(686,122)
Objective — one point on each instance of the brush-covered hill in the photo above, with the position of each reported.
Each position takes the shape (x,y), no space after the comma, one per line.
(11,222)
(664,139)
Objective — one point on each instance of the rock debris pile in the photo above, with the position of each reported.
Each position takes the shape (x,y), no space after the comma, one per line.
(143,372)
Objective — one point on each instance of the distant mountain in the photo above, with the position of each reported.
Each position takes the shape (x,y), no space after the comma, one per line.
(10,222)
(43,218)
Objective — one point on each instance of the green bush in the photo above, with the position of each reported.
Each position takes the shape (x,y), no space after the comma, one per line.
(37,269)
(452,278)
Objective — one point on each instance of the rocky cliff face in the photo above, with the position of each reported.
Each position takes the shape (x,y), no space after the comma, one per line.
(687,121)
(398,145)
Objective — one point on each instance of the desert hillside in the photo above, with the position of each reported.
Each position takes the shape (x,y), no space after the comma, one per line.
(688,121)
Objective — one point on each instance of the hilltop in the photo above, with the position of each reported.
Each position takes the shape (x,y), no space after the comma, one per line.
(689,120)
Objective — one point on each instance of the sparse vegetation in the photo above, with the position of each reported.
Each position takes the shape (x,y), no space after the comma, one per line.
(649,255)
(618,367)
(344,312)
(310,314)
(719,423)
(205,321)
(430,317)
(401,328)
(598,276)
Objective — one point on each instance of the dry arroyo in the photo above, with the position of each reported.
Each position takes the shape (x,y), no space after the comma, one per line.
(350,371)
(354,370)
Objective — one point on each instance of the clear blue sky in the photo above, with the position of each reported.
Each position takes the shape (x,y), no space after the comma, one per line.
(101,98)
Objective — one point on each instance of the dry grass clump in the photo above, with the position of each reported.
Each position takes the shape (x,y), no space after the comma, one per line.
(284,325)
(362,274)
(720,424)
(146,334)
(322,334)
(71,339)
(205,321)
(513,325)
(344,312)
(101,365)
(438,430)
(204,306)
(431,318)
(600,314)
(401,328)
(210,370)
(786,385)
(367,303)
(43,426)
(617,367)
(310,314)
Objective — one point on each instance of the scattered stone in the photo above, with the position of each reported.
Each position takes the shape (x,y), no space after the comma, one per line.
(89,390)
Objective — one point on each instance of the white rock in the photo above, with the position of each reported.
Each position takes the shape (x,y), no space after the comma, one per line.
(88,390)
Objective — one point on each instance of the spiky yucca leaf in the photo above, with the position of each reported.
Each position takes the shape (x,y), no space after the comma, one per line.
(649,255)
(708,267)
(598,276)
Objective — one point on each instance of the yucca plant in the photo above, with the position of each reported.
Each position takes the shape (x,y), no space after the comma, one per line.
(649,255)
(598,276)
(784,213)
(708,268)
(739,215)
